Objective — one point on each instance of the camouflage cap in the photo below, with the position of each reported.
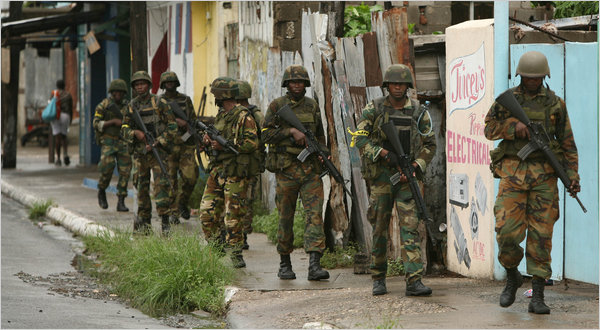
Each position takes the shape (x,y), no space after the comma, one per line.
(533,64)
(245,91)
(397,73)
(295,72)
(141,75)
(168,76)
(224,88)
(118,85)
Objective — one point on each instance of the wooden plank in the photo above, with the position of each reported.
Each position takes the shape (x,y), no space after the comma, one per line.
(353,48)
(359,100)
(373,93)
(373,75)
(360,221)
(307,52)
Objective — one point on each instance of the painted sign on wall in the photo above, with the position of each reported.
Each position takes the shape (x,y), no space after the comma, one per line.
(469,81)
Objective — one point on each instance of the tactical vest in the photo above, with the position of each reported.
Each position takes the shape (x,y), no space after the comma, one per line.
(285,152)
(538,111)
(151,119)
(181,99)
(257,162)
(230,125)
(113,131)
(405,122)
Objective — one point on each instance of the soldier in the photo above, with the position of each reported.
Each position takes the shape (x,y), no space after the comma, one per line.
(294,177)
(107,126)
(157,116)
(182,159)
(258,160)
(527,199)
(229,174)
(379,163)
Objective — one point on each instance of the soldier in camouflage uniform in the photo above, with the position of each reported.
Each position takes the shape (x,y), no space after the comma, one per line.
(294,177)
(159,120)
(107,127)
(258,161)
(229,174)
(527,201)
(182,160)
(379,163)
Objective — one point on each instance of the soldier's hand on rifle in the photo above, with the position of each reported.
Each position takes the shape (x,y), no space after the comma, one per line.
(298,136)
(521,131)
(574,188)
(139,135)
(214,144)
(390,157)
(181,122)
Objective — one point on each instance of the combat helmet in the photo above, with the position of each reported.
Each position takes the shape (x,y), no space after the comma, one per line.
(245,91)
(295,72)
(397,73)
(224,88)
(533,64)
(141,75)
(118,85)
(168,76)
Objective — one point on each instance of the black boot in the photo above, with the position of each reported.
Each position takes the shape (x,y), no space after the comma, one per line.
(285,268)
(121,205)
(174,220)
(379,287)
(102,199)
(315,272)
(142,226)
(238,260)
(514,280)
(245,246)
(537,305)
(165,225)
(184,212)
(417,288)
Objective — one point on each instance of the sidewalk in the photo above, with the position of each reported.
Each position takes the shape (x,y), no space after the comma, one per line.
(264,301)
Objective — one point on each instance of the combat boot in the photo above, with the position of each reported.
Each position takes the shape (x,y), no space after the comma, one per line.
(102,199)
(417,288)
(379,287)
(142,226)
(238,260)
(514,280)
(184,212)
(121,205)
(245,246)
(315,272)
(165,225)
(285,268)
(537,305)
(174,220)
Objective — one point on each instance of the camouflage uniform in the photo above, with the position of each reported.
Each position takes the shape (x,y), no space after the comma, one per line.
(182,159)
(227,183)
(160,122)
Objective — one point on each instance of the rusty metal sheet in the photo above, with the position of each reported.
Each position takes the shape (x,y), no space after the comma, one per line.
(373,75)
(359,100)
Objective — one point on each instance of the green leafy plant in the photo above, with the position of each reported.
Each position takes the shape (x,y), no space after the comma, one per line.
(339,257)
(39,209)
(395,267)
(269,224)
(357,19)
(161,276)
(411,28)
(570,8)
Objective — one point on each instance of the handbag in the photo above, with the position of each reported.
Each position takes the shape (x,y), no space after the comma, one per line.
(49,114)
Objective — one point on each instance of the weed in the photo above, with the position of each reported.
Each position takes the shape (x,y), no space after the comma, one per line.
(39,209)
(161,276)
(395,267)
(339,257)
(269,224)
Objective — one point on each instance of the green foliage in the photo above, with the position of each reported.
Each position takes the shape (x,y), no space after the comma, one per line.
(570,8)
(39,209)
(269,224)
(411,28)
(357,19)
(159,275)
(339,257)
(395,267)
(388,323)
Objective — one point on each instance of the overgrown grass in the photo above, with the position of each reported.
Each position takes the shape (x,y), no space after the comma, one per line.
(39,209)
(269,224)
(339,257)
(160,276)
(395,267)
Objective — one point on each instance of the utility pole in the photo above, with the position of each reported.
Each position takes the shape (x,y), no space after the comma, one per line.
(10,96)
(138,33)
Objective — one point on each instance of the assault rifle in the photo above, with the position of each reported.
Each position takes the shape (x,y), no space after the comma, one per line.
(538,140)
(405,166)
(216,135)
(150,141)
(191,130)
(202,102)
(286,113)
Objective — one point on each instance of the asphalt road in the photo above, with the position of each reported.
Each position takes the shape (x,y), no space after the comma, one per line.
(36,258)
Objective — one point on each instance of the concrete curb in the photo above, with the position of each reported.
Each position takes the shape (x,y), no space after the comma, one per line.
(73,222)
